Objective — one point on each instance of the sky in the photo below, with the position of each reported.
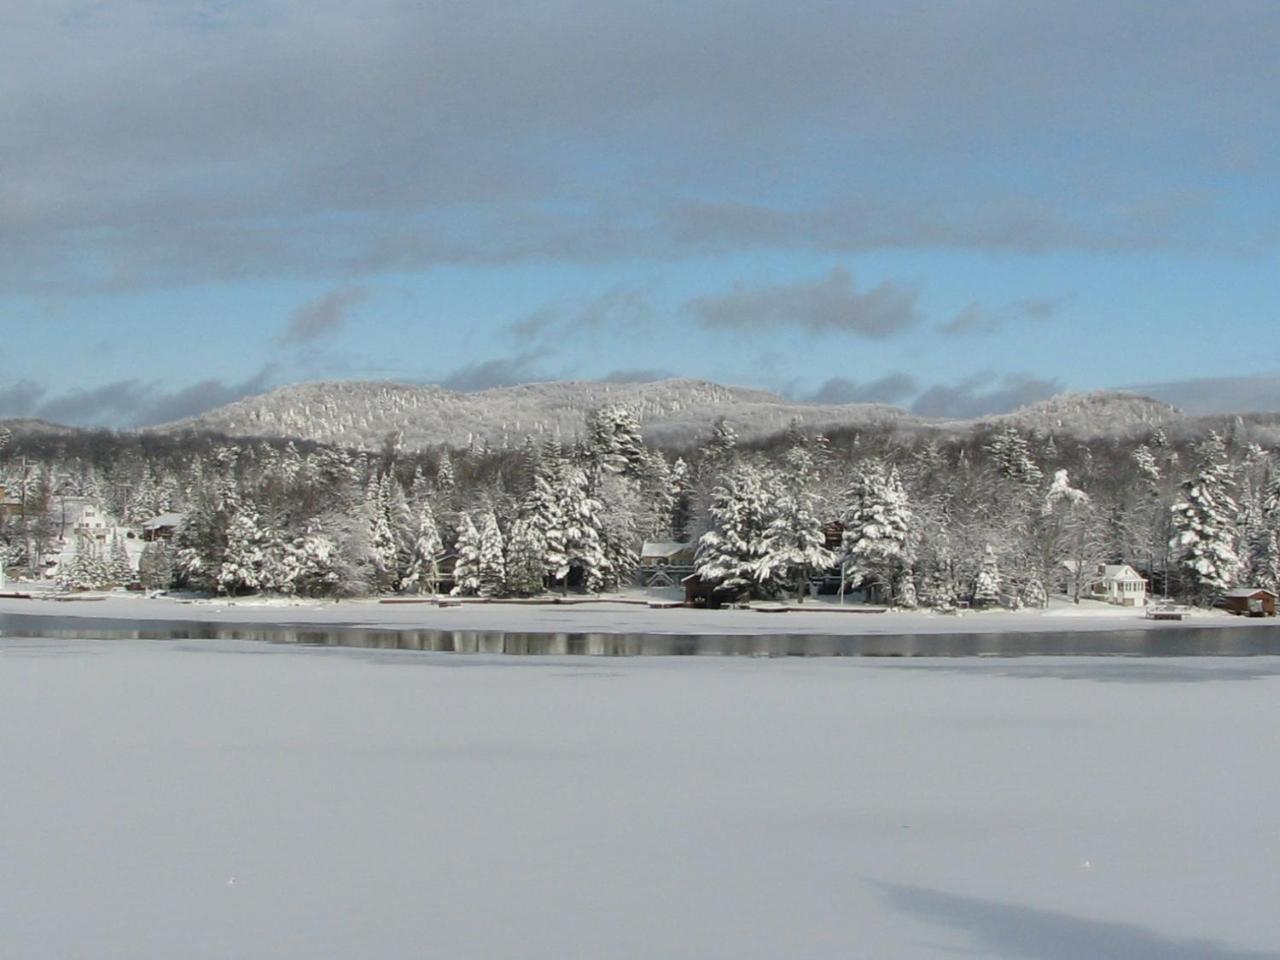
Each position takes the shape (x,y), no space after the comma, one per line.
(953,207)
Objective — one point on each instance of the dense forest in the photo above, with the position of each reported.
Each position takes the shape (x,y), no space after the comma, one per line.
(997,515)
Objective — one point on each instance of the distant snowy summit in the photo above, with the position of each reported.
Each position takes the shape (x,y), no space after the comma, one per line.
(354,413)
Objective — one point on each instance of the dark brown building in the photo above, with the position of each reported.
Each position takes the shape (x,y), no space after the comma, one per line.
(1250,602)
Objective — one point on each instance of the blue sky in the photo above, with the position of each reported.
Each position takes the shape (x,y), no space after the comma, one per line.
(956,208)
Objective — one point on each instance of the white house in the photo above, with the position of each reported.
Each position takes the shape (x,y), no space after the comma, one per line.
(1118,583)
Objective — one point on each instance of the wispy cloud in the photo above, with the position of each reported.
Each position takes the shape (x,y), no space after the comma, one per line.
(979,318)
(322,317)
(829,304)
(620,308)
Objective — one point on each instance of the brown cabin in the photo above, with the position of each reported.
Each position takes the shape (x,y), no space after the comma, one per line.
(163,527)
(1250,602)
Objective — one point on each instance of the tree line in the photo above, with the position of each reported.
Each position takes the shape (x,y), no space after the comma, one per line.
(996,515)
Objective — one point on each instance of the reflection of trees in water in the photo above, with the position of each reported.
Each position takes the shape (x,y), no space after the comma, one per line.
(1174,641)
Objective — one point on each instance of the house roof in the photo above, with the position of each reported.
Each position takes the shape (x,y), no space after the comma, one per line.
(1116,572)
(663,548)
(1247,592)
(1120,572)
(164,520)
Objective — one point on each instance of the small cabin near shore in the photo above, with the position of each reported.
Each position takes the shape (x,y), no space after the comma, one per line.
(1117,583)
(1250,602)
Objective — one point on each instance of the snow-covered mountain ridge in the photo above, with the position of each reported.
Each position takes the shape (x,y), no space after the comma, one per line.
(357,413)
(363,413)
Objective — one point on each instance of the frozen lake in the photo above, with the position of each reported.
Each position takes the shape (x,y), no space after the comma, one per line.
(214,799)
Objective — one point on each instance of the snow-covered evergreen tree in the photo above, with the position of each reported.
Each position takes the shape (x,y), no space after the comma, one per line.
(1204,524)
(401,523)
(423,573)
(1061,492)
(583,544)
(155,566)
(877,528)
(120,567)
(719,452)
(740,511)
(382,548)
(446,481)
(84,571)
(526,550)
(1266,560)
(543,513)
(279,564)
(907,597)
(682,499)
(315,563)
(492,570)
(613,440)
(793,547)
(986,585)
(1011,455)
(241,567)
(1034,594)
(1271,502)
(466,570)
(1147,466)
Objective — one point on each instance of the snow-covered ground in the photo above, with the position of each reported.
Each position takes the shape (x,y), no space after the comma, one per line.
(220,799)
(614,617)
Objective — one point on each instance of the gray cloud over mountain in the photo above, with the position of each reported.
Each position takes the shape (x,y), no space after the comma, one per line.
(980,396)
(892,388)
(525,367)
(127,403)
(1247,394)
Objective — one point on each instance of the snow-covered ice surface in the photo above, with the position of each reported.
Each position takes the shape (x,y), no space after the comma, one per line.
(218,799)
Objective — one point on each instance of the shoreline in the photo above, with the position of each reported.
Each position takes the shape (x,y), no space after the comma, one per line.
(622,614)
